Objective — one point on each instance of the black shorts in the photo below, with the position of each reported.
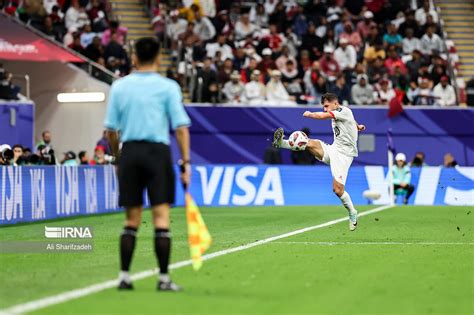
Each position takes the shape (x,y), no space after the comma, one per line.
(146,165)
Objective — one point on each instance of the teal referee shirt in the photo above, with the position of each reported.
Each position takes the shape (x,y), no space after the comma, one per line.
(142,105)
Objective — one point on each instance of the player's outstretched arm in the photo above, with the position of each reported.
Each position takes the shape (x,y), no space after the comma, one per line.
(360,128)
(317,115)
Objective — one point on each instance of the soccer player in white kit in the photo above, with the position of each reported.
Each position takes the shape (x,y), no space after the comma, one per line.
(338,155)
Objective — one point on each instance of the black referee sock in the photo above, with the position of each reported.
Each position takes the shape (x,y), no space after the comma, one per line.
(163,248)
(127,246)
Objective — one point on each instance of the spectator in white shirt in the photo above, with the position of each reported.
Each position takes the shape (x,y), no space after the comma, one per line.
(276,92)
(220,46)
(431,42)
(422,13)
(175,26)
(203,27)
(385,94)
(345,55)
(233,89)
(410,42)
(254,91)
(76,16)
(244,27)
(444,93)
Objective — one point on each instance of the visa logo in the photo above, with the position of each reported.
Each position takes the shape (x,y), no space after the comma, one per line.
(240,186)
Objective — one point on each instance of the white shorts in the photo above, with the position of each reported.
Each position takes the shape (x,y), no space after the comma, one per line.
(338,162)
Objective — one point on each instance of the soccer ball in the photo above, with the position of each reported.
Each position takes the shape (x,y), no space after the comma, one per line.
(298,141)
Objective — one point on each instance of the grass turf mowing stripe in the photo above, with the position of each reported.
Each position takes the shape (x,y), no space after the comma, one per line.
(77,293)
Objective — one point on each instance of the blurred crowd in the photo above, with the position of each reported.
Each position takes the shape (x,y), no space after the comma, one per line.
(44,154)
(82,25)
(291,52)
(271,52)
(8,90)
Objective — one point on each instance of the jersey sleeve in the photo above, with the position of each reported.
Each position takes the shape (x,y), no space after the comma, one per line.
(341,113)
(112,117)
(175,109)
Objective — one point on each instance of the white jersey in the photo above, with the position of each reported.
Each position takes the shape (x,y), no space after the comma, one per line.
(345,131)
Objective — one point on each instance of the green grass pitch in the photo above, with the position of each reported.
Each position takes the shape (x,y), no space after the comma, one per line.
(403,260)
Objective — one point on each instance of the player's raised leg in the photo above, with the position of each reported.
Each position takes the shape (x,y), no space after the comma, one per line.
(127,246)
(312,145)
(346,200)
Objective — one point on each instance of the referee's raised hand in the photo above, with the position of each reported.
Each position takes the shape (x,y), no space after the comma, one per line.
(142,107)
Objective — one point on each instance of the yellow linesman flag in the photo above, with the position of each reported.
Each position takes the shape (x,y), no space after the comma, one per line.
(198,235)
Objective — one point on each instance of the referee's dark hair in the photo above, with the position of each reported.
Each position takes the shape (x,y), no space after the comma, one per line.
(147,49)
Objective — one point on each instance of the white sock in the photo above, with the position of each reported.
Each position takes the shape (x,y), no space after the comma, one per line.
(164,277)
(124,276)
(347,202)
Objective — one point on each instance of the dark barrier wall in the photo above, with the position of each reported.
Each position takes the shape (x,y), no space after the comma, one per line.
(16,123)
(232,134)
(47,192)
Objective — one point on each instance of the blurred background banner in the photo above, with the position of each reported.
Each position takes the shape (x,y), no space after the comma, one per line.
(241,134)
(37,193)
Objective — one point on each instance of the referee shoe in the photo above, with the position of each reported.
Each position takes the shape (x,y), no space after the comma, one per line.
(168,286)
(125,286)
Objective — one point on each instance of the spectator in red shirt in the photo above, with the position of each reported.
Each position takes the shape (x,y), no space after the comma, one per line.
(329,66)
(76,44)
(393,61)
(274,39)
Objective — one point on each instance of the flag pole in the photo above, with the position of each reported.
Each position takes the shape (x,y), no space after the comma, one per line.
(390,152)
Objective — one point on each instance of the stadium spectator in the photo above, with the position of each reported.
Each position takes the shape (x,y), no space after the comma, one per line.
(418,160)
(377,71)
(204,27)
(423,12)
(444,93)
(17,155)
(222,23)
(100,158)
(69,159)
(98,16)
(219,46)
(276,92)
(76,44)
(51,31)
(279,17)
(189,37)
(8,91)
(329,67)
(76,16)
(431,43)
(208,92)
(300,22)
(449,161)
(410,42)
(45,140)
(120,33)
(233,89)
(174,27)
(425,94)
(244,27)
(105,143)
(267,64)
(275,40)
(392,37)
(303,157)
(402,177)
(364,26)
(313,43)
(224,72)
(284,57)
(411,23)
(375,51)
(346,56)
(362,93)
(95,50)
(254,91)
(87,36)
(352,36)
(385,93)
(83,158)
(292,79)
(414,64)
(342,90)
(120,59)
(394,60)
(258,16)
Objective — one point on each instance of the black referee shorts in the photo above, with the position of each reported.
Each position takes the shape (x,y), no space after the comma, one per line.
(146,165)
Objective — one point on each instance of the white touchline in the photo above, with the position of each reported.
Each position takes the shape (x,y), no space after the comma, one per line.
(374,243)
(77,293)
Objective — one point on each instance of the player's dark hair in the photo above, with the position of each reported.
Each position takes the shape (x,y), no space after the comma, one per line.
(330,97)
(146,50)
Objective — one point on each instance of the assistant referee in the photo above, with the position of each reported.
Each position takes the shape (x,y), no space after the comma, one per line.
(141,108)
